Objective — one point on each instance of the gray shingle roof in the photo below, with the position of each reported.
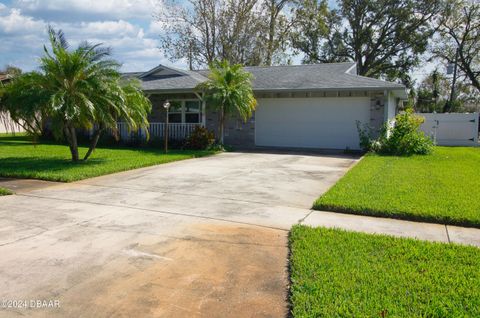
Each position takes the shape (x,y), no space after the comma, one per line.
(331,76)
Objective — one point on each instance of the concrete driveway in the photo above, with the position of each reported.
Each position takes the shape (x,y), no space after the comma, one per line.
(202,237)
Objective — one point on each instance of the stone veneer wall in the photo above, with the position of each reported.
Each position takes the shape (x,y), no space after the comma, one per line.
(377,112)
(237,132)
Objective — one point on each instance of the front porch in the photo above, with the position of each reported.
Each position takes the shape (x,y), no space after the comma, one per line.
(186,112)
(176,131)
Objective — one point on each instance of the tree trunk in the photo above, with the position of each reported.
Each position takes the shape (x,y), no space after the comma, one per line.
(71,135)
(271,33)
(93,143)
(67,133)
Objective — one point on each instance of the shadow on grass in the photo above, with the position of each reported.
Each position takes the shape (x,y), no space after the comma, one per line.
(29,166)
(23,140)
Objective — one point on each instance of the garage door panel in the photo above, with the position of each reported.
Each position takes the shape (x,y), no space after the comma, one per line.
(310,122)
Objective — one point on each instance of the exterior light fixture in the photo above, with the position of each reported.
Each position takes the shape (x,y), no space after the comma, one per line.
(166,105)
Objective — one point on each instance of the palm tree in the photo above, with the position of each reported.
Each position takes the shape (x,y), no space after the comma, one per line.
(75,89)
(229,90)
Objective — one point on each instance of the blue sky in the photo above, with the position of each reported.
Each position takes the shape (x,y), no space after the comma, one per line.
(128,26)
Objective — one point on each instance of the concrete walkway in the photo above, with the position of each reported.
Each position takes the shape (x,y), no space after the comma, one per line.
(25,185)
(377,225)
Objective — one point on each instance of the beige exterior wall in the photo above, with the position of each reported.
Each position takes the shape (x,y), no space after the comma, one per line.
(6,125)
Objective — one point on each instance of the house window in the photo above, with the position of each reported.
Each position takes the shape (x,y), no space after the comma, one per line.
(189,111)
(192,112)
(175,112)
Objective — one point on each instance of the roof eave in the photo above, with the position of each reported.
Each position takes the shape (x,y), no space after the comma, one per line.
(323,89)
(168,91)
(398,91)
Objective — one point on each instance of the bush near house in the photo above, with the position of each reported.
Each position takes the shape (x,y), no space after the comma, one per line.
(404,138)
(200,139)
(335,273)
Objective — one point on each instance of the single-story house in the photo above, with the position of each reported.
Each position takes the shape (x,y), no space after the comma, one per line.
(299,106)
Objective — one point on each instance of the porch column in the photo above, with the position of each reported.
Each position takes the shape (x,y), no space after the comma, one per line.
(204,115)
(390,109)
(390,106)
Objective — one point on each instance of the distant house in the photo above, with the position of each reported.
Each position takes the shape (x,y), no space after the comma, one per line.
(299,106)
(6,124)
(5,78)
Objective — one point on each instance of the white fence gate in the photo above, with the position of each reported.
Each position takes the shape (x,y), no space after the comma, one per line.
(452,129)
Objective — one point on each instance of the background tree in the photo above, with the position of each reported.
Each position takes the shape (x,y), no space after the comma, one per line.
(459,38)
(384,37)
(11,69)
(249,32)
(229,90)
(311,28)
(78,89)
(432,93)
(279,28)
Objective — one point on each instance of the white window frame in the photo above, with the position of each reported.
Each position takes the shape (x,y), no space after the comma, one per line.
(176,112)
(183,110)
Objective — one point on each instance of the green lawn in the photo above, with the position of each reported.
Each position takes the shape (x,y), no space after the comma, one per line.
(20,159)
(4,191)
(335,273)
(443,187)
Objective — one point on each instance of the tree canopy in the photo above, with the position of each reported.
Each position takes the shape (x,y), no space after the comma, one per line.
(384,37)
(74,89)
(459,38)
(248,32)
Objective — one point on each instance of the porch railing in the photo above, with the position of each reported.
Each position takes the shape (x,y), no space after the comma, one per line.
(176,131)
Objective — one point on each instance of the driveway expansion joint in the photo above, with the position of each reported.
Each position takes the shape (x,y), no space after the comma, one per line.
(306,216)
(448,235)
(187,194)
(153,211)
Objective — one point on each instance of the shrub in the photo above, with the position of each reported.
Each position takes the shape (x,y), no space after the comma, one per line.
(200,139)
(403,138)
(367,140)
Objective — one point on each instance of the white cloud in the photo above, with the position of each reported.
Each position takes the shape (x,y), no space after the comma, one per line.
(118,9)
(114,29)
(13,22)
(156,27)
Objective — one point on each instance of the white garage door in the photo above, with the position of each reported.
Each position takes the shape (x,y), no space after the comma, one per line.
(327,122)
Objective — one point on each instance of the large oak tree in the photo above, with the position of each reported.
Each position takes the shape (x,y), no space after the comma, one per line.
(384,37)
(459,38)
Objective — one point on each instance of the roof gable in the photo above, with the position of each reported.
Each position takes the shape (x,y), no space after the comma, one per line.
(163,71)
